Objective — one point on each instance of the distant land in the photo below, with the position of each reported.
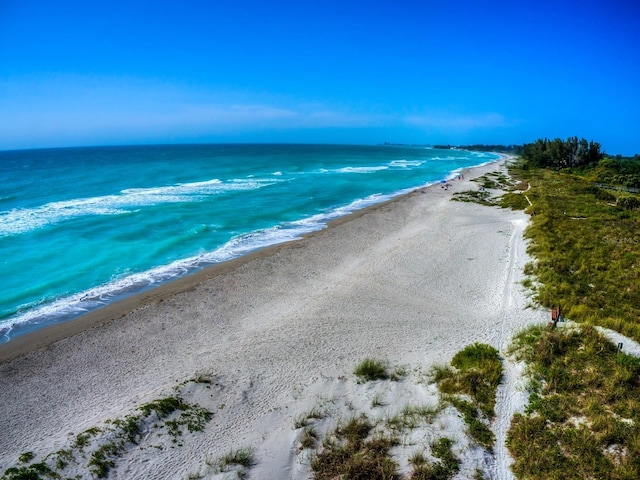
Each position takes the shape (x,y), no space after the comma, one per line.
(514,149)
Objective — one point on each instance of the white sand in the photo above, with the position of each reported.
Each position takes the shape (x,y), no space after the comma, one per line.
(412,281)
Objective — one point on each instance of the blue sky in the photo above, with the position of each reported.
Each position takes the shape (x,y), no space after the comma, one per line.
(112,72)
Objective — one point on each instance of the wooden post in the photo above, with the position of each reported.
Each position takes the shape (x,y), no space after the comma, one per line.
(555,317)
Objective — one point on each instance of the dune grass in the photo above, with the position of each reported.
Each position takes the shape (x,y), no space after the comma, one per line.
(364,447)
(583,418)
(243,457)
(352,453)
(305,419)
(359,449)
(586,250)
(371,369)
(471,385)
(97,449)
(483,197)
(514,201)
(444,469)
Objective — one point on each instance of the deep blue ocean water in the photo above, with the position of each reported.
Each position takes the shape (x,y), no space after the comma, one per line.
(82,227)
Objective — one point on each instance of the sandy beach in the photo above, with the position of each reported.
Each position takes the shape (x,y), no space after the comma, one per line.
(279,332)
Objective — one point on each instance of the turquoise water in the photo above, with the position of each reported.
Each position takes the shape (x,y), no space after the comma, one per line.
(82,227)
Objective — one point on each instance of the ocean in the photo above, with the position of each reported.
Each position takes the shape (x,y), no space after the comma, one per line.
(83,227)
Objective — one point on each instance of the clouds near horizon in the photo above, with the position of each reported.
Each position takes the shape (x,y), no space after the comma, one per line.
(69,108)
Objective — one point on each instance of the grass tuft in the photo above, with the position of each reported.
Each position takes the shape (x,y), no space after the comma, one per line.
(316,413)
(243,457)
(308,438)
(352,453)
(26,457)
(371,369)
(446,468)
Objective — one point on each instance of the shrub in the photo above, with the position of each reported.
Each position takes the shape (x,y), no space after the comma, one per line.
(628,202)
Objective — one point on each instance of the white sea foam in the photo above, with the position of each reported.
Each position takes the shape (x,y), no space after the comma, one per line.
(208,187)
(22,220)
(406,163)
(362,169)
(78,304)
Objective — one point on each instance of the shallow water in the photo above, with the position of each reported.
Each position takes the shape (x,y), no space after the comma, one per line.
(82,227)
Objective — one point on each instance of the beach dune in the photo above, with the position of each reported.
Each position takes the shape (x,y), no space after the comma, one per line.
(411,281)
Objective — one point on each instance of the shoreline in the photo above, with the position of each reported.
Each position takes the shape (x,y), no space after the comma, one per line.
(278,333)
(42,337)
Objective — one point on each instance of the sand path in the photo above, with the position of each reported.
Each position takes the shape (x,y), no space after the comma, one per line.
(412,281)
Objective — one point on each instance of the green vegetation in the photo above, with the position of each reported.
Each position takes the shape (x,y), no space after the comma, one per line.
(472,385)
(82,439)
(103,458)
(361,447)
(376,401)
(193,417)
(627,202)
(128,429)
(483,197)
(585,245)
(62,458)
(308,438)
(514,149)
(495,180)
(620,172)
(316,413)
(445,469)
(105,445)
(371,369)
(163,407)
(243,457)
(514,201)
(358,449)
(411,416)
(583,419)
(479,371)
(35,471)
(352,453)
(26,457)
(561,154)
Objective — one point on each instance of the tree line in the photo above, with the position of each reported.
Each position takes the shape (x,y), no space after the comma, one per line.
(586,158)
(575,154)
(560,154)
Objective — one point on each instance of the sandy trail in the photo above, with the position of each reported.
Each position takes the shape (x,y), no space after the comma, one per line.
(412,281)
